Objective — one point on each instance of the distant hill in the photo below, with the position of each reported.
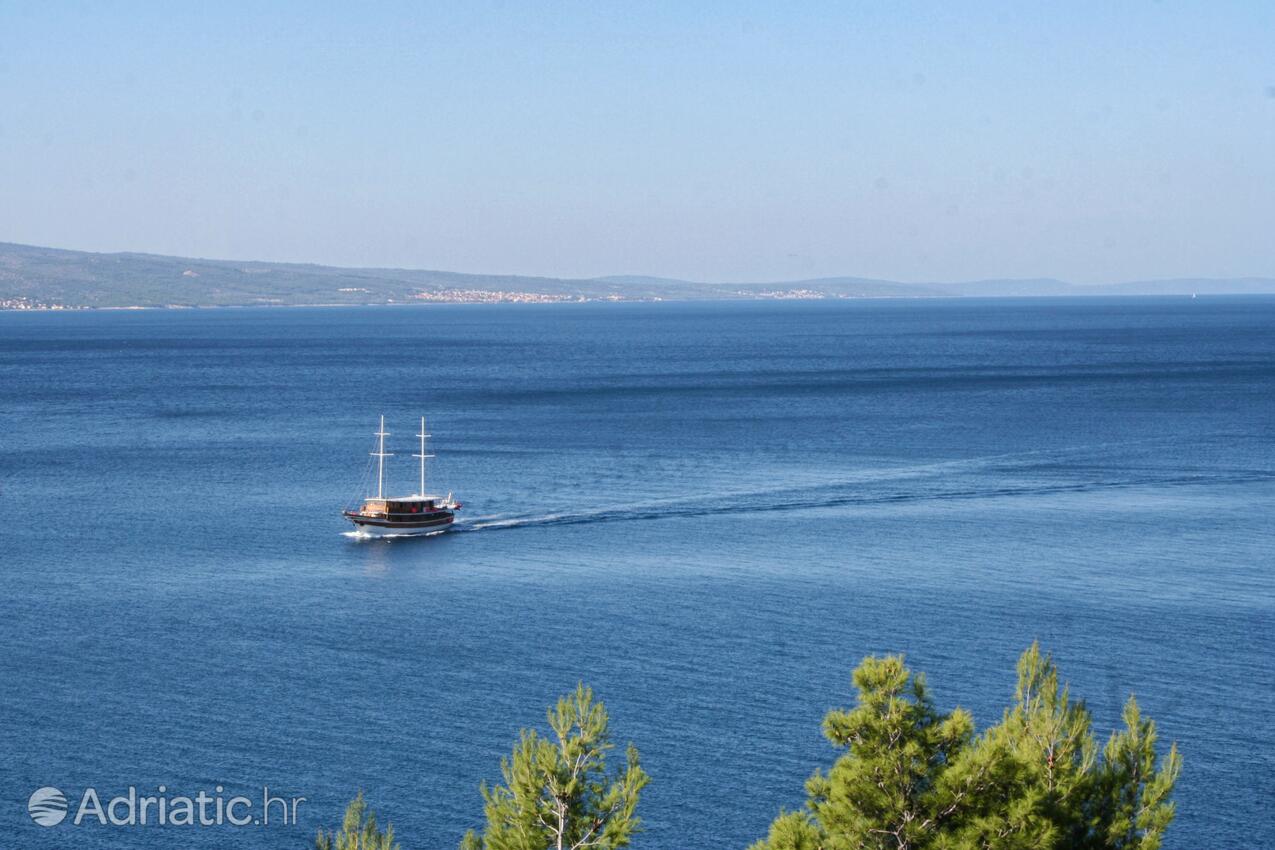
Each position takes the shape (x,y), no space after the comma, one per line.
(1047,286)
(51,278)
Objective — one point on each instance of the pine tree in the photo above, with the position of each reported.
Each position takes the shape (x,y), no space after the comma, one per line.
(1025,781)
(557,792)
(913,778)
(884,792)
(359,831)
(1131,807)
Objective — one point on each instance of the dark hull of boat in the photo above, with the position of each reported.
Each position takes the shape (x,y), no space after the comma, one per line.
(381,526)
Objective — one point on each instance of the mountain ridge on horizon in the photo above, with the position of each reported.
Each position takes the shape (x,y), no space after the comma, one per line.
(35,277)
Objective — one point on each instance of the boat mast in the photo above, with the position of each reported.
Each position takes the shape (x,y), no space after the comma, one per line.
(422,456)
(381,455)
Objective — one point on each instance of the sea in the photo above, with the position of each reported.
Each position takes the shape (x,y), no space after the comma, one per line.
(710,513)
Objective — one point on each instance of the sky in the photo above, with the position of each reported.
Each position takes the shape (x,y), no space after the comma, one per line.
(913,141)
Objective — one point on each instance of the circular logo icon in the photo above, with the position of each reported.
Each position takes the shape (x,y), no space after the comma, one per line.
(47,806)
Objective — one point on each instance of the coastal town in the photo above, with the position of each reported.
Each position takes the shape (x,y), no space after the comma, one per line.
(493,296)
(22,303)
(445,296)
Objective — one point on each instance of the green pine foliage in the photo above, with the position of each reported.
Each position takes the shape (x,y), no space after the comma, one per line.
(359,831)
(914,778)
(558,791)
(911,777)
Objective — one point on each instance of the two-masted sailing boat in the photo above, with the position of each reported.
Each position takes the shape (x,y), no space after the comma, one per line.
(419,513)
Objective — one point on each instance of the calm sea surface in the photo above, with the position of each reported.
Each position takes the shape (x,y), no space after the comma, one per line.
(710,513)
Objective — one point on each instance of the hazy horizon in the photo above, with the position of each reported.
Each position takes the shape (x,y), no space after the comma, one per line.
(911,143)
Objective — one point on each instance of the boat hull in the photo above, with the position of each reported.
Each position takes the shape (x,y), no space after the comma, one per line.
(380,528)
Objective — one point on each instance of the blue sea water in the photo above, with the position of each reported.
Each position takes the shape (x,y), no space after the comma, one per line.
(709,512)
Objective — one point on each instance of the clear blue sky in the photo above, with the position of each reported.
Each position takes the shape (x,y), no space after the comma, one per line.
(912,141)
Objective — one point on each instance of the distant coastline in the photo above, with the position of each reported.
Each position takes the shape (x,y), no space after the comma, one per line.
(34,278)
(135,308)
